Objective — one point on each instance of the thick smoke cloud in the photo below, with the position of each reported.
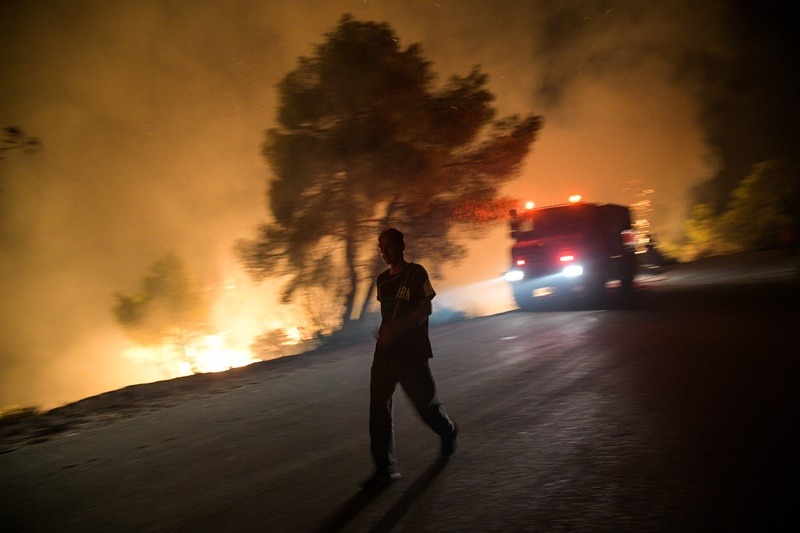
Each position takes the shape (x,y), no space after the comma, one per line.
(151,115)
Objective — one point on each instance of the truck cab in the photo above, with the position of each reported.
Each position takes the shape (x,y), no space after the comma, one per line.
(568,249)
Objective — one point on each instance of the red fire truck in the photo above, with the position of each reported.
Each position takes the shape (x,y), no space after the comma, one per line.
(570,249)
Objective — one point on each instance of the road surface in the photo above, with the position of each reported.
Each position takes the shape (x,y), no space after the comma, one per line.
(673,412)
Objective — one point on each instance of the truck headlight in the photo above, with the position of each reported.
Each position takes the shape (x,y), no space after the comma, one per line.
(514,275)
(572,271)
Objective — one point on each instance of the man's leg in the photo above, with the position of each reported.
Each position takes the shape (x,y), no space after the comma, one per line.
(418,382)
(381,427)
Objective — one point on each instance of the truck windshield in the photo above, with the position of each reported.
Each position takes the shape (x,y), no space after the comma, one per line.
(553,221)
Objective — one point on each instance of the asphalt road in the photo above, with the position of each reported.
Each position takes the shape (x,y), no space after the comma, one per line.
(673,411)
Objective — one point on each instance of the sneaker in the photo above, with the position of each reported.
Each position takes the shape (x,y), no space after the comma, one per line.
(449,443)
(379,480)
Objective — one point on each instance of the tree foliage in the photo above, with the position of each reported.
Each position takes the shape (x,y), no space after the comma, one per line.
(169,308)
(367,139)
(702,238)
(761,209)
(762,212)
(15,139)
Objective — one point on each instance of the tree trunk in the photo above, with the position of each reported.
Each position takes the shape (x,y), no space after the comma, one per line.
(350,253)
(352,278)
(377,265)
(376,269)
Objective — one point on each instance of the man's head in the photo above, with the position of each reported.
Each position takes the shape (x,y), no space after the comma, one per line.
(391,244)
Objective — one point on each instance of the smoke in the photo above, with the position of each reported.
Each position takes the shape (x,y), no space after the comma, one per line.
(151,115)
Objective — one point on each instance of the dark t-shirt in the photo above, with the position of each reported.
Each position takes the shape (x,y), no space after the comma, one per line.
(399,295)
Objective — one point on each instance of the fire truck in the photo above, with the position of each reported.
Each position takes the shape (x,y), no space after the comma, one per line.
(570,249)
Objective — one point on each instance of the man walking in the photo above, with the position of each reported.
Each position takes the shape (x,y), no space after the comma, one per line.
(401,356)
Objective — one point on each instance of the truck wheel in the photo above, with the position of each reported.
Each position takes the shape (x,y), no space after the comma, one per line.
(595,290)
(629,271)
(524,298)
(627,284)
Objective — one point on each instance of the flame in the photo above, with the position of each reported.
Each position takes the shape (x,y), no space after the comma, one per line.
(240,321)
(212,354)
(293,335)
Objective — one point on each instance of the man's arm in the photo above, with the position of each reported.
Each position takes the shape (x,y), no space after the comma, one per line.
(391,330)
(417,316)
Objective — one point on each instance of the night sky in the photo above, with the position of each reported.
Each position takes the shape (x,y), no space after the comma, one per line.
(151,116)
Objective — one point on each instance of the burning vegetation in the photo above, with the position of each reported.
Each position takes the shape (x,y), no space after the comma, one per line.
(169,319)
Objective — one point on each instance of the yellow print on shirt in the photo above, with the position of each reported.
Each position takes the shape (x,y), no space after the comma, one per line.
(404,293)
(427,289)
